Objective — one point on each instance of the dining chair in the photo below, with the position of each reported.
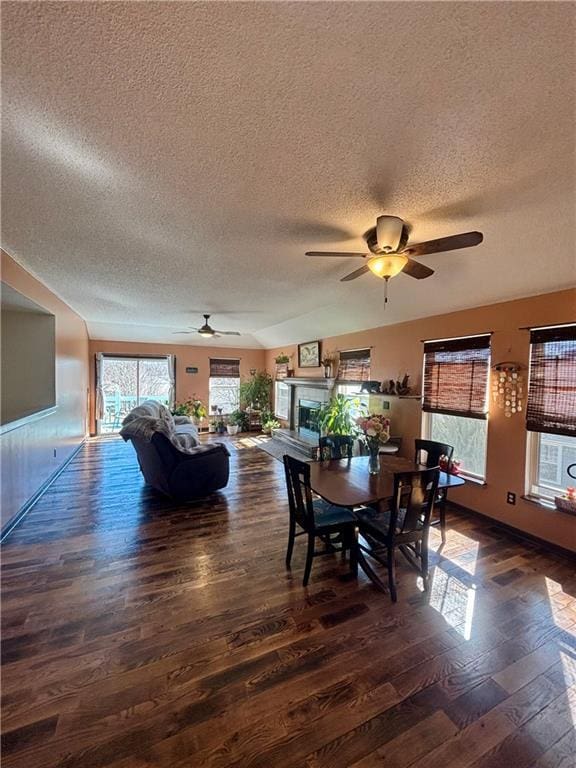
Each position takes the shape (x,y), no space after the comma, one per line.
(316,518)
(434,452)
(335,447)
(404,526)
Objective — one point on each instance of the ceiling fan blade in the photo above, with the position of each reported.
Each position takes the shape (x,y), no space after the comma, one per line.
(453,243)
(417,270)
(337,254)
(228,333)
(355,274)
(186,333)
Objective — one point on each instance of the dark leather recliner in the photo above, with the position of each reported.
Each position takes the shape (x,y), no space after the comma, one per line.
(182,475)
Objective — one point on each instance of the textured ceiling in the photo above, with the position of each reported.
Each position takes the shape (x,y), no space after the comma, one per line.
(165,159)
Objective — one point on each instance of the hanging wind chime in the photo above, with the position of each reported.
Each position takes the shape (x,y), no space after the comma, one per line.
(508,388)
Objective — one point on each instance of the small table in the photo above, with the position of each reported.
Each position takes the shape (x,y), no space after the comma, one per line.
(347,483)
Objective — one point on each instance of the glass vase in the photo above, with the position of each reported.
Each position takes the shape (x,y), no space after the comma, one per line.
(374,460)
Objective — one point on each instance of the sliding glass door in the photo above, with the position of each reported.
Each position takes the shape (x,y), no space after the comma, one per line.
(127,382)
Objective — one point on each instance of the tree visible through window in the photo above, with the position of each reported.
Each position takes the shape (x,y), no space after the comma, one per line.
(224,393)
(468,436)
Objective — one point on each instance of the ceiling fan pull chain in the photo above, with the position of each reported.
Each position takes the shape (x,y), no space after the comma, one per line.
(385,292)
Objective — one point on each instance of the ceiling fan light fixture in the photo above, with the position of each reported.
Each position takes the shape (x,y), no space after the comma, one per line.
(388,265)
(207,332)
(389,231)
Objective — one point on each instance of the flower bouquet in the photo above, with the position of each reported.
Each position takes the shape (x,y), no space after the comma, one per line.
(375,432)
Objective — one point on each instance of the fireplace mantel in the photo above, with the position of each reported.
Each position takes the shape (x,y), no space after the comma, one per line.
(315,382)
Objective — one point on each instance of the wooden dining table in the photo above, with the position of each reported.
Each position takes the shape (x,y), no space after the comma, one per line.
(348,483)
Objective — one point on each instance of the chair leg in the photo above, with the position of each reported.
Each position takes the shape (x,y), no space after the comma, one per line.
(424,561)
(442,512)
(309,558)
(291,537)
(391,573)
(352,540)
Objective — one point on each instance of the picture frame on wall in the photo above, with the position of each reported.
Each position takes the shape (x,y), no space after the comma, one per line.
(309,355)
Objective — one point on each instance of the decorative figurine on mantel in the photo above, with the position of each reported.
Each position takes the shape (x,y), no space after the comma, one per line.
(397,387)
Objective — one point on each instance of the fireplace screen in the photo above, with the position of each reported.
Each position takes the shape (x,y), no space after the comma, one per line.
(308,411)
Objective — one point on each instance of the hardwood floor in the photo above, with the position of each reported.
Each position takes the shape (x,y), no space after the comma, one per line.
(140,633)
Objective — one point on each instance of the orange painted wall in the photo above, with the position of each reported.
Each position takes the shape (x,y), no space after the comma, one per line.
(27,452)
(186,384)
(396,349)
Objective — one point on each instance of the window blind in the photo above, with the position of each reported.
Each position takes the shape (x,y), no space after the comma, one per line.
(456,376)
(552,381)
(223,368)
(354,365)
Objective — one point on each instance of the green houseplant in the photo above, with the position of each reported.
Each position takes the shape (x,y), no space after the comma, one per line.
(256,392)
(237,422)
(338,416)
(193,407)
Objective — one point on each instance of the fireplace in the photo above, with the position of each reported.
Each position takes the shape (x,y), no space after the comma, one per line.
(308,411)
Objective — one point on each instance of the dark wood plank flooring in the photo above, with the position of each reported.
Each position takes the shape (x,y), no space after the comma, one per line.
(138,633)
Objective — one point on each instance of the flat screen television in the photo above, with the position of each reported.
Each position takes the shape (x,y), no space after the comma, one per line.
(28,357)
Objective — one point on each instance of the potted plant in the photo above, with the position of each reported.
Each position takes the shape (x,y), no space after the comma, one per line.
(282,362)
(256,392)
(237,422)
(269,423)
(194,408)
(328,362)
(337,417)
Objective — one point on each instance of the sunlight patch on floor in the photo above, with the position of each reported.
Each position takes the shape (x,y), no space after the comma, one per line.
(454,601)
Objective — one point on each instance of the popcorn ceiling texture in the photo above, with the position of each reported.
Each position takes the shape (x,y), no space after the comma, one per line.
(161,160)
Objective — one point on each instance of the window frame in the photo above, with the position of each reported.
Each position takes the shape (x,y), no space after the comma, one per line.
(533,489)
(277,384)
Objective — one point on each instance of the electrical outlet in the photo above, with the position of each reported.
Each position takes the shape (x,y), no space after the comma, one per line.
(510,498)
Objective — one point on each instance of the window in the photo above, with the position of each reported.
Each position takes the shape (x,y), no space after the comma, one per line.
(352,390)
(551,411)
(125,382)
(455,398)
(282,400)
(468,436)
(550,458)
(224,384)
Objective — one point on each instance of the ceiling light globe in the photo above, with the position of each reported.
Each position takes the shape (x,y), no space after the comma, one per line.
(207,334)
(388,265)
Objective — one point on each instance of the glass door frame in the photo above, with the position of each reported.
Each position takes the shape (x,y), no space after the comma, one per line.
(120,356)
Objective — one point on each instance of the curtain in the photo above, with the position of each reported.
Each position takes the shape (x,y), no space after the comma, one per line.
(224,368)
(171,362)
(354,365)
(99,410)
(552,381)
(456,375)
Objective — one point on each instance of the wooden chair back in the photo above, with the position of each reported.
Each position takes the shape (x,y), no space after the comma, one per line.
(299,492)
(335,447)
(434,451)
(413,502)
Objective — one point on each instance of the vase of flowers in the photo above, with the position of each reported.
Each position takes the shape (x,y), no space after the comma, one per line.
(375,432)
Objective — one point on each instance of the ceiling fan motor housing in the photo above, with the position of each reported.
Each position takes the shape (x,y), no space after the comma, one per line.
(389,235)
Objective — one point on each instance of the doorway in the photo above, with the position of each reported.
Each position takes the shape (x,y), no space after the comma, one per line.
(128,382)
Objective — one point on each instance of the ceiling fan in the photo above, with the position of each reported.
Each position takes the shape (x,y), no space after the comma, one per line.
(390,253)
(208,332)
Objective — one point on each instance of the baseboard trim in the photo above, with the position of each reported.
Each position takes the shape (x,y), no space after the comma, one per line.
(517,532)
(23,511)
